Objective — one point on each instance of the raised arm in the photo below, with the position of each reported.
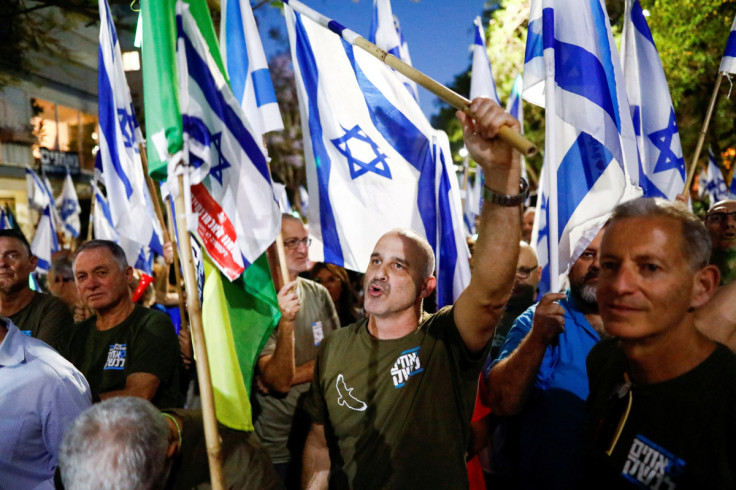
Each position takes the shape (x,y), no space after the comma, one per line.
(480,306)
(277,369)
(511,380)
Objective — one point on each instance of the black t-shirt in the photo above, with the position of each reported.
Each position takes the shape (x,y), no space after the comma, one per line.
(47,318)
(396,412)
(677,434)
(145,342)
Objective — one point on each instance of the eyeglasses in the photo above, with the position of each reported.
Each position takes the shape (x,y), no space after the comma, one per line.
(523,272)
(718,217)
(294,243)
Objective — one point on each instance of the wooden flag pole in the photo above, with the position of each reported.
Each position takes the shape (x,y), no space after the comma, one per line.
(214,447)
(177,268)
(91,220)
(521,144)
(701,138)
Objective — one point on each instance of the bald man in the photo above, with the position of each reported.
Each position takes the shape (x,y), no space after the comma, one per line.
(392,395)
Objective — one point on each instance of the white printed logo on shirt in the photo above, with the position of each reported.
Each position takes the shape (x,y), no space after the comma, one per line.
(406,366)
(115,357)
(346,398)
(649,465)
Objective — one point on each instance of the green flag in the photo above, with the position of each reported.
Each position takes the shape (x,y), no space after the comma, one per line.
(238,317)
(160,88)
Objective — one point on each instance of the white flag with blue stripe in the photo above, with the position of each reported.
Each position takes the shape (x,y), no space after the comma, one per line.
(716,184)
(374,161)
(662,171)
(69,208)
(515,108)
(250,79)
(102,224)
(728,62)
(591,158)
(4,220)
(38,196)
(231,192)
(482,83)
(45,242)
(386,34)
(131,207)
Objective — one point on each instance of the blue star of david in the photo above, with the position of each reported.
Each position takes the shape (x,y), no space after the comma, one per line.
(68,207)
(662,139)
(125,119)
(358,167)
(222,164)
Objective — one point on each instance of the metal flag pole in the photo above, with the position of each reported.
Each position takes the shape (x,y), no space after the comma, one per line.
(521,144)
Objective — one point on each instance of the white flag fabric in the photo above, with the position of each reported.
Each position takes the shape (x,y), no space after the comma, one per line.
(590,145)
(231,192)
(373,161)
(131,207)
(728,62)
(482,83)
(38,195)
(662,169)
(250,79)
(69,208)
(515,107)
(386,34)
(102,225)
(716,184)
(279,191)
(45,242)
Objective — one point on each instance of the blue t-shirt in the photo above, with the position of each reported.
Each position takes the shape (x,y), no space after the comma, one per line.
(550,426)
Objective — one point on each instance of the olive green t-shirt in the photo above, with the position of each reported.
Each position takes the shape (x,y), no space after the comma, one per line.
(145,342)
(274,424)
(396,412)
(47,318)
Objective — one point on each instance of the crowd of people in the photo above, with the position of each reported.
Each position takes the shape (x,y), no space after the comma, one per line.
(625,379)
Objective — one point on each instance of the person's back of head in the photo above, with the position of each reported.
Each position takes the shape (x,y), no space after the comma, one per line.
(120,443)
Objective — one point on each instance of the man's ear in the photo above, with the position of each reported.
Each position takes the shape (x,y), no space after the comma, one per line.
(705,283)
(428,287)
(34,261)
(128,273)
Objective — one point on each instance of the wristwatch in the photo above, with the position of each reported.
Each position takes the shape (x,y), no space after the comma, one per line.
(505,199)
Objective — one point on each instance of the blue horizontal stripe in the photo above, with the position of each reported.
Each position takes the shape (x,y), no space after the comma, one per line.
(199,71)
(640,22)
(534,47)
(237,54)
(731,45)
(310,76)
(582,166)
(263,87)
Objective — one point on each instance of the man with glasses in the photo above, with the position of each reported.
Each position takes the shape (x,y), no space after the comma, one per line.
(286,364)
(36,314)
(540,376)
(721,223)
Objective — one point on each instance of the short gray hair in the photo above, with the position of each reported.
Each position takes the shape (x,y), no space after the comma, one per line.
(118,444)
(117,252)
(63,267)
(696,245)
(427,254)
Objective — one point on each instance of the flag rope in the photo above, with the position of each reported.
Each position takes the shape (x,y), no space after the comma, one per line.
(456,100)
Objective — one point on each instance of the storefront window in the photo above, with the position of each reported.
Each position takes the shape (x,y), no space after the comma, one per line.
(66,136)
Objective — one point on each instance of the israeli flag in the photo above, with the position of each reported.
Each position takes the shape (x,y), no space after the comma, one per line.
(662,171)
(4,220)
(242,53)
(481,79)
(39,196)
(69,208)
(591,158)
(232,194)
(515,107)
(386,34)
(130,202)
(45,242)
(279,191)
(374,162)
(102,223)
(715,186)
(728,62)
